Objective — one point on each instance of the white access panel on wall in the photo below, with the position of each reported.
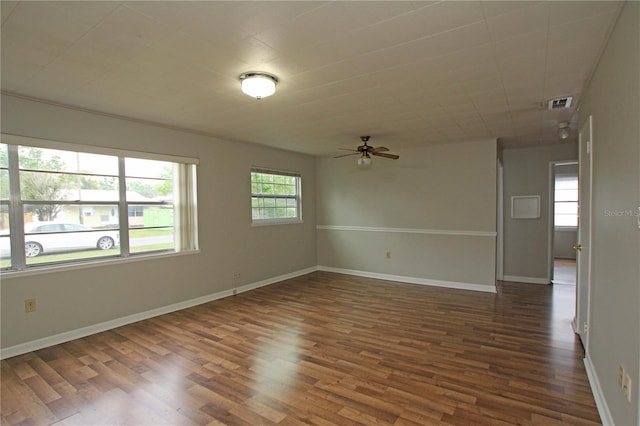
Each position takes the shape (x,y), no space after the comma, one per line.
(525,207)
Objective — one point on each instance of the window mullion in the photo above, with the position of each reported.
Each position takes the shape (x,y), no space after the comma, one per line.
(123,210)
(16,216)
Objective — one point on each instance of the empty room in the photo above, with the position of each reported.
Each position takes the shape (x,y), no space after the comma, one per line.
(320,212)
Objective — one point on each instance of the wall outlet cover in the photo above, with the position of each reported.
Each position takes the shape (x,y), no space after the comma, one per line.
(30,305)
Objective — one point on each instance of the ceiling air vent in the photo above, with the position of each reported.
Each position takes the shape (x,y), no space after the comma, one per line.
(559,103)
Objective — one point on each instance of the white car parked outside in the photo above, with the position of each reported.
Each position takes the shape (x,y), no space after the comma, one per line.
(46,237)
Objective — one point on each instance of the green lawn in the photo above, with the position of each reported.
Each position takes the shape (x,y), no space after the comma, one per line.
(90,254)
(152,247)
(154,232)
(73,255)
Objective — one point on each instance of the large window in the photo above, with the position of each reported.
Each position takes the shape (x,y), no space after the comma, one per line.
(275,196)
(566,201)
(63,205)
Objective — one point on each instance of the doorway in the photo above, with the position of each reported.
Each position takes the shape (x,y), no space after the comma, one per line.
(564,196)
(581,208)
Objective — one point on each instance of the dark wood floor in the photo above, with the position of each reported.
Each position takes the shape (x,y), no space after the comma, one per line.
(564,271)
(320,349)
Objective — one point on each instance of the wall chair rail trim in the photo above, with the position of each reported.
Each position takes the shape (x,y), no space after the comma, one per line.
(466,233)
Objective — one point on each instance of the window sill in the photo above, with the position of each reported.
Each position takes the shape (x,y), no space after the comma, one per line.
(565,228)
(276,222)
(41,270)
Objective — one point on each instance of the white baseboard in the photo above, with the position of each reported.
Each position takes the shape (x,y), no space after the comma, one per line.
(274,280)
(412,280)
(598,395)
(56,339)
(528,280)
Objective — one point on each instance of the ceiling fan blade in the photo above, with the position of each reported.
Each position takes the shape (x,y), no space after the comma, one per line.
(379,149)
(347,149)
(392,156)
(346,155)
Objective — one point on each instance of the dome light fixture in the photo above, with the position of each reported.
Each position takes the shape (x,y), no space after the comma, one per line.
(563,130)
(364,161)
(258,84)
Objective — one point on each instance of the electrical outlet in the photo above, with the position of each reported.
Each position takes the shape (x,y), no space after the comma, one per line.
(236,275)
(30,305)
(621,374)
(585,327)
(626,387)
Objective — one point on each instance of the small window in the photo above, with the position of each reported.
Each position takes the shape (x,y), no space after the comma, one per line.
(275,196)
(135,211)
(47,228)
(566,201)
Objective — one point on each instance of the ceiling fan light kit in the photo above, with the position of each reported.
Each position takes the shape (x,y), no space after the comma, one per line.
(364,161)
(563,130)
(258,84)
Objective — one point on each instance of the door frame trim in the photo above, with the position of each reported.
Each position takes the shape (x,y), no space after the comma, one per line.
(551,218)
(584,316)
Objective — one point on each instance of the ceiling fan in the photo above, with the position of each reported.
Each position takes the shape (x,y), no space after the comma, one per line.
(365,151)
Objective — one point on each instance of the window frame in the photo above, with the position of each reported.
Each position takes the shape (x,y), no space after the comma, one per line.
(18,263)
(557,203)
(297,196)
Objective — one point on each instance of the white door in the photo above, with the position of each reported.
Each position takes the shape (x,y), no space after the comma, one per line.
(583,249)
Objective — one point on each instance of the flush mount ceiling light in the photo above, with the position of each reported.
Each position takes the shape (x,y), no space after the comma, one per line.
(258,84)
(563,130)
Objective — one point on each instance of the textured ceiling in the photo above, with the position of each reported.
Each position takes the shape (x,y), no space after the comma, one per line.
(407,73)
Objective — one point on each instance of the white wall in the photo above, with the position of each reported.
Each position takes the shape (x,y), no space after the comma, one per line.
(434,209)
(613,99)
(563,242)
(71,299)
(526,241)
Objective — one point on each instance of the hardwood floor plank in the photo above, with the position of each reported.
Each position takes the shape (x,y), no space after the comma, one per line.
(41,389)
(321,349)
